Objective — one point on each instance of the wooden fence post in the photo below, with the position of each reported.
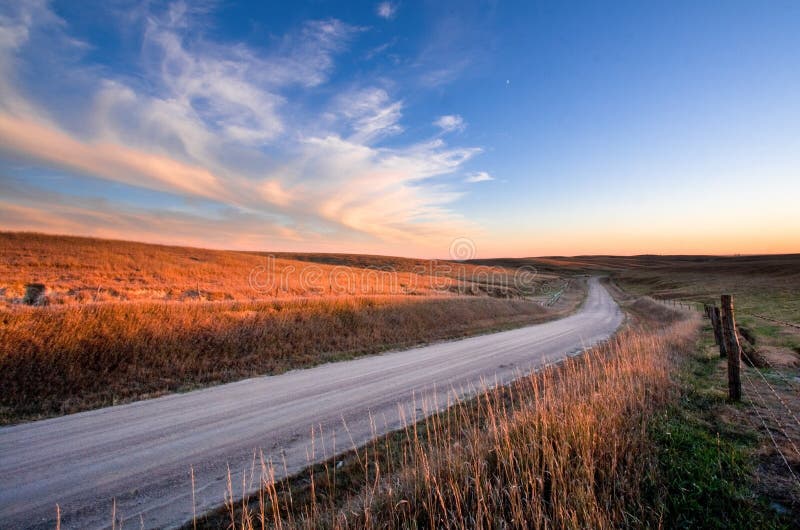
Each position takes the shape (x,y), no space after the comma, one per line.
(716,323)
(732,347)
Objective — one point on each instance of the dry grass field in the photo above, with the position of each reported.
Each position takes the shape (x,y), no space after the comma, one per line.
(81,270)
(569,447)
(58,360)
(126,321)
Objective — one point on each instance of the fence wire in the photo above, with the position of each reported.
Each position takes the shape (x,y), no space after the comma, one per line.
(774,392)
(772,413)
(752,385)
(781,375)
(769,431)
(781,322)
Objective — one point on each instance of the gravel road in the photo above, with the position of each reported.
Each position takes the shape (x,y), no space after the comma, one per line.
(140,454)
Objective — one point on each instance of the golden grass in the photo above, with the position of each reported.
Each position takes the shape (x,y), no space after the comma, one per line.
(129,320)
(565,448)
(80,270)
(61,359)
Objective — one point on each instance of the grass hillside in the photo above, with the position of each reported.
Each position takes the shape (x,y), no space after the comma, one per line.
(125,321)
(767,285)
(80,270)
(777,264)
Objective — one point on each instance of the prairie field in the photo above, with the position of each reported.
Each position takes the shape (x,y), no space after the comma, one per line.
(81,270)
(768,285)
(63,359)
(124,321)
(765,289)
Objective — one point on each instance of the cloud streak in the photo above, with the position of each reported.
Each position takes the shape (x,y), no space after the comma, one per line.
(450,123)
(481,176)
(57,149)
(25,207)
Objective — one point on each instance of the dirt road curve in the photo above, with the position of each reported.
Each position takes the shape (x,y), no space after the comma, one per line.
(141,453)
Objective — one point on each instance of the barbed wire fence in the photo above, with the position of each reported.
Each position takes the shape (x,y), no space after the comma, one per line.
(756,396)
(775,444)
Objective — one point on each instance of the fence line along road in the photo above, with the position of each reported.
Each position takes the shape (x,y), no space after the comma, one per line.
(724,325)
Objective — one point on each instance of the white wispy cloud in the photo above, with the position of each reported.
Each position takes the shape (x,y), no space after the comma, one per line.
(481,176)
(450,122)
(386,10)
(221,123)
(370,113)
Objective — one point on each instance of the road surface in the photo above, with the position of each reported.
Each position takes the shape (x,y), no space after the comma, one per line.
(141,453)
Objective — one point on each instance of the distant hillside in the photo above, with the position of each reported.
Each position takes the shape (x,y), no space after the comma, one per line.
(776,264)
(81,269)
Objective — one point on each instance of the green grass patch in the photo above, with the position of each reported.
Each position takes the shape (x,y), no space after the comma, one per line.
(705,467)
(767,330)
(707,477)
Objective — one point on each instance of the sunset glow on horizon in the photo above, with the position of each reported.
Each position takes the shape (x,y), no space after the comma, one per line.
(529,129)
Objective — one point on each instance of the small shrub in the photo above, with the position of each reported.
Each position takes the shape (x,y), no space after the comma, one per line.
(34,294)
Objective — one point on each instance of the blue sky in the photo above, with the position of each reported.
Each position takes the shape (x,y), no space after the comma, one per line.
(532,128)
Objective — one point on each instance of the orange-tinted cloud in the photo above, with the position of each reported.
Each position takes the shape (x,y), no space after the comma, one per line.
(47,144)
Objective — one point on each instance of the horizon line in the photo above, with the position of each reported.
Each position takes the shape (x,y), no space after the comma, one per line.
(287,252)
